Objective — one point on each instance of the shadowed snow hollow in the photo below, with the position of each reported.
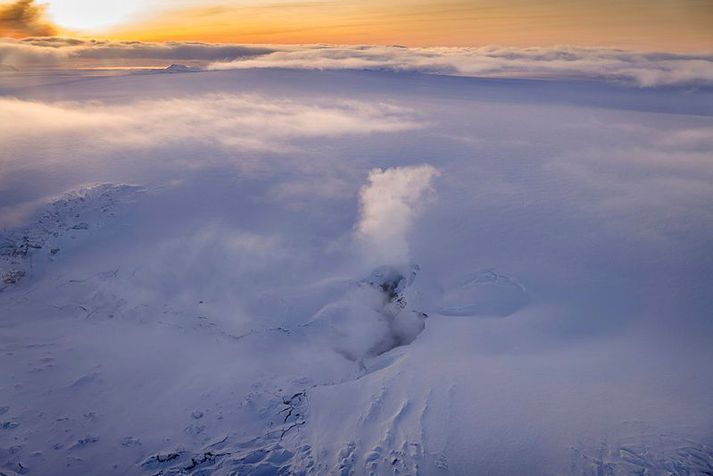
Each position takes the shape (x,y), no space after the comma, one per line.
(486,293)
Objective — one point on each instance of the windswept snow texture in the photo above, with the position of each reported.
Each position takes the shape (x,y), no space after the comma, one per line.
(264,271)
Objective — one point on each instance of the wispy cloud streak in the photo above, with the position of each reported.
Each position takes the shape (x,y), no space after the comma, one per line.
(231,121)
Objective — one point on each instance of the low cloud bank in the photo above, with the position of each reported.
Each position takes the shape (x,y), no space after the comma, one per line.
(67,52)
(642,69)
(630,67)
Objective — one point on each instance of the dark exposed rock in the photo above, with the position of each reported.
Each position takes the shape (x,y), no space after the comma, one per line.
(12,276)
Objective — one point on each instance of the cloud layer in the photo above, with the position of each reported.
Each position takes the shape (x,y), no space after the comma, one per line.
(630,67)
(68,52)
(643,69)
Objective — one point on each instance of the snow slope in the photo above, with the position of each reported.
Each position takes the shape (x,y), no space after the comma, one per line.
(344,272)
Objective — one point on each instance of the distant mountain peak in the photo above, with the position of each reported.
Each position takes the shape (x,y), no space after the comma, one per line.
(180,68)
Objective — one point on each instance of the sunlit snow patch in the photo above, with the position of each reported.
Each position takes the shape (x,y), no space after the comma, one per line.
(64,221)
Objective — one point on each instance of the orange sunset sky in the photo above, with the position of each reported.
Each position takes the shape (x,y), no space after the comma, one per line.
(667,25)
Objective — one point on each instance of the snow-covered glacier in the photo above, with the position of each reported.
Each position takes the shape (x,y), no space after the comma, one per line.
(267,271)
